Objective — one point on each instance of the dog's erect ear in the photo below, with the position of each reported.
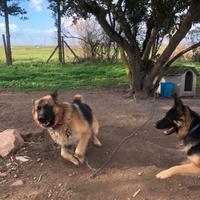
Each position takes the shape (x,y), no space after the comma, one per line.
(33,101)
(178,104)
(54,95)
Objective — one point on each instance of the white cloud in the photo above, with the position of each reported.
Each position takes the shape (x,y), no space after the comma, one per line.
(32,32)
(13,27)
(36,5)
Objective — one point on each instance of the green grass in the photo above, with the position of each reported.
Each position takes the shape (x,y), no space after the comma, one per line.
(39,76)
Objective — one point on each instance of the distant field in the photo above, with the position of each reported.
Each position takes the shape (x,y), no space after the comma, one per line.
(30,72)
(36,53)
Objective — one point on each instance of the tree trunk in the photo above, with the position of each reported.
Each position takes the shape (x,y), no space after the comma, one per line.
(8,43)
(60,58)
(127,67)
(135,65)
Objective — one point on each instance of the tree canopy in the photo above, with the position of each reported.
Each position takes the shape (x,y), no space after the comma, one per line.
(14,9)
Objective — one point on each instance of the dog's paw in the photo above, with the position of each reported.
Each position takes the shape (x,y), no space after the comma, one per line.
(80,158)
(75,161)
(96,142)
(164,174)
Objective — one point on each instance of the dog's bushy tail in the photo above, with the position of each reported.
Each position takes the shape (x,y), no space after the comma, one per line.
(78,99)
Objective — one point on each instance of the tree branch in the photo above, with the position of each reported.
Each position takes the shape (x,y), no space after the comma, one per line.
(74,37)
(119,16)
(194,46)
(149,44)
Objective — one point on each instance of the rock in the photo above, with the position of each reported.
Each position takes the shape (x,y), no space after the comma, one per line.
(11,140)
(18,183)
(39,159)
(22,158)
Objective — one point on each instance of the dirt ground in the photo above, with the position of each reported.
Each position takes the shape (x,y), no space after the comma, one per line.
(134,166)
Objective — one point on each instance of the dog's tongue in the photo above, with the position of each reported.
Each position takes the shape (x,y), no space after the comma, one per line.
(168,131)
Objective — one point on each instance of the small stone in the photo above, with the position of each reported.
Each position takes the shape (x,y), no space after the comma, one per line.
(60,184)
(39,159)
(70,175)
(41,164)
(3,174)
(18,183)
(49,193)
(8,164)
(34,178)
(22,158)
(179,184)
(140,173)
(15,176)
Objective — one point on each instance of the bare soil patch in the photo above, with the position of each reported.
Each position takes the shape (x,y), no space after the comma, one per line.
(47,176)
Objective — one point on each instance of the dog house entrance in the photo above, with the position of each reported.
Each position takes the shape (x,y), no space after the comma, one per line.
(188,81)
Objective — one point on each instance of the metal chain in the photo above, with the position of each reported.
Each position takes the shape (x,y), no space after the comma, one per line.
(97,171)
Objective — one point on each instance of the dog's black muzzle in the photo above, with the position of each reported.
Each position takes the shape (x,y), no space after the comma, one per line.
(168,126)
(46,117)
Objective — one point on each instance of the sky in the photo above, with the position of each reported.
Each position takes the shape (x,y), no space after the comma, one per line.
(38,29)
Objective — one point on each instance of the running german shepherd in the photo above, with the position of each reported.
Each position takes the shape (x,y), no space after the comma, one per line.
(69,124)
(186,123)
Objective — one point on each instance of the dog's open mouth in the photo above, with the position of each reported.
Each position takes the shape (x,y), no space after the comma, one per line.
(46,124)
(169,131)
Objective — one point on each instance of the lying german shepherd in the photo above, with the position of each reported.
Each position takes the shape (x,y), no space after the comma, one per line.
(186,123)
(69,124)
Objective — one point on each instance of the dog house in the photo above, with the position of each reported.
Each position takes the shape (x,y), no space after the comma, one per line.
(184,79)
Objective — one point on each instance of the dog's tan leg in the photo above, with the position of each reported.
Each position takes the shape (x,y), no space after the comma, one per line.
(95,128)
(67,156)
(81,147)
(179,169)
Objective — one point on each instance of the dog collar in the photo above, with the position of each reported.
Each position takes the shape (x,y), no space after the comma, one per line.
(194,129)
(60,122)
(57,125)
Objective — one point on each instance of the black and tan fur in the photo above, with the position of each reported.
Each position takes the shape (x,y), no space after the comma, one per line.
(186,123)
(69,124)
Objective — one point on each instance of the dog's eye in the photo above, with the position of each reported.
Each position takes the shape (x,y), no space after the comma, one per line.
(46,106)
(39,108)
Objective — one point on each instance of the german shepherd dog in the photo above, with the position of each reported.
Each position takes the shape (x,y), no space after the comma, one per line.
(69,124)
(182,120)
